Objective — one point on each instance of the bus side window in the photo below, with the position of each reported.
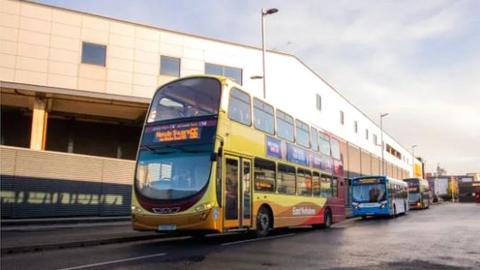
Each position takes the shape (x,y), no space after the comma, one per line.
(326,186)
(285,128)
(316,184)
(263,116)
(286,179)
(304,182)
(302,132)
(239,108)
(264,175)
(334,186)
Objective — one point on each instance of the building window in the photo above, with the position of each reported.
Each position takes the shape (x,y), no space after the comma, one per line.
(169,66)
(342,118)
(94,54)
(366,134)
(355,126)
(232,73)
(319,102)
(375,140)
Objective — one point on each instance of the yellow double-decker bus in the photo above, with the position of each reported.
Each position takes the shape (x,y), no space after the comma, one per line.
(418,193)
(214,159)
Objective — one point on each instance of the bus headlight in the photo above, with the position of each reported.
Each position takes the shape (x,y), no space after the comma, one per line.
(136,209)
(382,204)
(204,207)
(355,205)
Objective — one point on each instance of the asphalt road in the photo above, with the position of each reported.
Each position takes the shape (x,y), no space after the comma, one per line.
(443,237)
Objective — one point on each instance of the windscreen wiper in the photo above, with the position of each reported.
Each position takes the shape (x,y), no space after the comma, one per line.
(156,150)
(185,150)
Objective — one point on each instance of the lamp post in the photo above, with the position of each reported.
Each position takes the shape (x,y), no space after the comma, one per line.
(413,158)
(382,115)
(265,13)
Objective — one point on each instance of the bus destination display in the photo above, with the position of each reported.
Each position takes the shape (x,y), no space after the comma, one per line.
(179,132)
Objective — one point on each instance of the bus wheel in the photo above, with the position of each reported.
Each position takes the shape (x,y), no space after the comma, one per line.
(264,222)
(327,219)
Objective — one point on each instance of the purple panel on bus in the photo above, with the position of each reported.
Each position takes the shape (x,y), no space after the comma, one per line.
(274,148)
(297,155)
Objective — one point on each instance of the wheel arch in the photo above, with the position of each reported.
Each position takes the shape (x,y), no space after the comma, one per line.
(270,211)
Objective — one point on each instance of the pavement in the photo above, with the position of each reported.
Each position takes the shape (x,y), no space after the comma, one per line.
(46,234)
(442,237)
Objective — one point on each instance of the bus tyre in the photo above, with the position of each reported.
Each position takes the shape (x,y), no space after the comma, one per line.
(327,219)
(264,221)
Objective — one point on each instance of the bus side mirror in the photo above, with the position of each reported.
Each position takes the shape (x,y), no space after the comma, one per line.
(213,156)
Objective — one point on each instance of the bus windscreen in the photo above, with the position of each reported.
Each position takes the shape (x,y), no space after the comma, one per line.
(368,192)
(186,98)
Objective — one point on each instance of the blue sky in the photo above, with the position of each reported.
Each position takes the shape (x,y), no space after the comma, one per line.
(417,60)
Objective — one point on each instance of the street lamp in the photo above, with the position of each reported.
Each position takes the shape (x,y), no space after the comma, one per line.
(413,158)
(382,115)
(265,13)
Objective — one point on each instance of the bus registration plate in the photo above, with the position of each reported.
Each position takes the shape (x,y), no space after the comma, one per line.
(167,227)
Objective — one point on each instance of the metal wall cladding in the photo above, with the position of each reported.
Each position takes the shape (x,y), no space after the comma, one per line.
(52,184)
(366,163)
(354,161)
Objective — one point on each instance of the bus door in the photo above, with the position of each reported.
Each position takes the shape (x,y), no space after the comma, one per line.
(237,190)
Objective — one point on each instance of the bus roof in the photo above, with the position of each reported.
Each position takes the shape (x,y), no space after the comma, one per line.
(388,178)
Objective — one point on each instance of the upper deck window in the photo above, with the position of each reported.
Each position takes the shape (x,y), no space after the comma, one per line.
(324,143)
(314,139)
(263,116)
(239,108)
(302,130)
(232,73)
(285,129)
(335,149)
(186,98)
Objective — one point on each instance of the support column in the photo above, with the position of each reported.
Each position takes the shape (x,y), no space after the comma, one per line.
(39,124)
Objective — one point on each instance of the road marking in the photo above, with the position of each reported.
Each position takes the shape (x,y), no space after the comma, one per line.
(114,261)
(258,239)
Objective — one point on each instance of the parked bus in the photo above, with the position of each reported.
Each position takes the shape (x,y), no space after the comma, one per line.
(468,189)
(379,196)
(214,159)
(418,193)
